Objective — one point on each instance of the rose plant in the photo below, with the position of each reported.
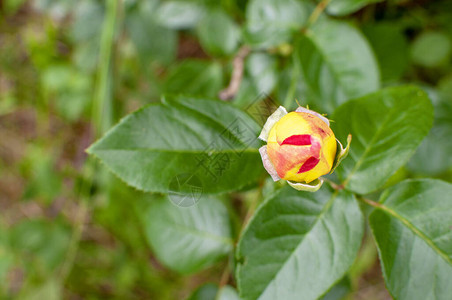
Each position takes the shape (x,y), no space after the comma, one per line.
(297,242)
(205,178)
(290,237)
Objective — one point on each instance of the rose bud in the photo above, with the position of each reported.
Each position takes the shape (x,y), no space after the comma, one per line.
(301,147)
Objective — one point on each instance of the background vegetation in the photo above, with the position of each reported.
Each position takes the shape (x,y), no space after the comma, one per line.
(69,70)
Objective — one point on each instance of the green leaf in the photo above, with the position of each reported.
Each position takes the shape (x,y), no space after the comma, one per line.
(12,6)
(339,290)
(88,18)
(43,184)
(179,14)
(211,291)
(431,49)
(412,227)
(247,94)
(85,31)
(271,23)
(187,239)
(227,293)
(391,48)
(69,89)
(194,77)
(210,145)
(86,55)
(218,34)
(207,291)
(433,155)
(290,87)
(387,127)
(336,63)
(49,290)
(6,257)
(262,69)
(298,244)
(41,244)
(345,7)
(152,41)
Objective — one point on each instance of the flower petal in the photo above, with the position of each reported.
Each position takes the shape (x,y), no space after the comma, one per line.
(305,110)
(309,164)
(268,164)
(271,121)
(298,140)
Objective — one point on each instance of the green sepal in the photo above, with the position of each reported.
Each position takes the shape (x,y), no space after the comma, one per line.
(341,152)
(313,186)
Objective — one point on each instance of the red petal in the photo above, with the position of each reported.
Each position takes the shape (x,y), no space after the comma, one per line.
(309,164)
(298,140)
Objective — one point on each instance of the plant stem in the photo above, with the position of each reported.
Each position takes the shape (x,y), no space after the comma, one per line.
(317,12)
(82,213)
(238,65)
(333,184)
(370,202)
(101,118)
(225,276)
(102,109)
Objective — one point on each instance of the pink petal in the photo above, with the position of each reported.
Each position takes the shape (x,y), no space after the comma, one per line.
(309,164)
(268,164)
(298,140)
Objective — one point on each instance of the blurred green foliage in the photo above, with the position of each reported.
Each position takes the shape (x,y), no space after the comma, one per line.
(68,230)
